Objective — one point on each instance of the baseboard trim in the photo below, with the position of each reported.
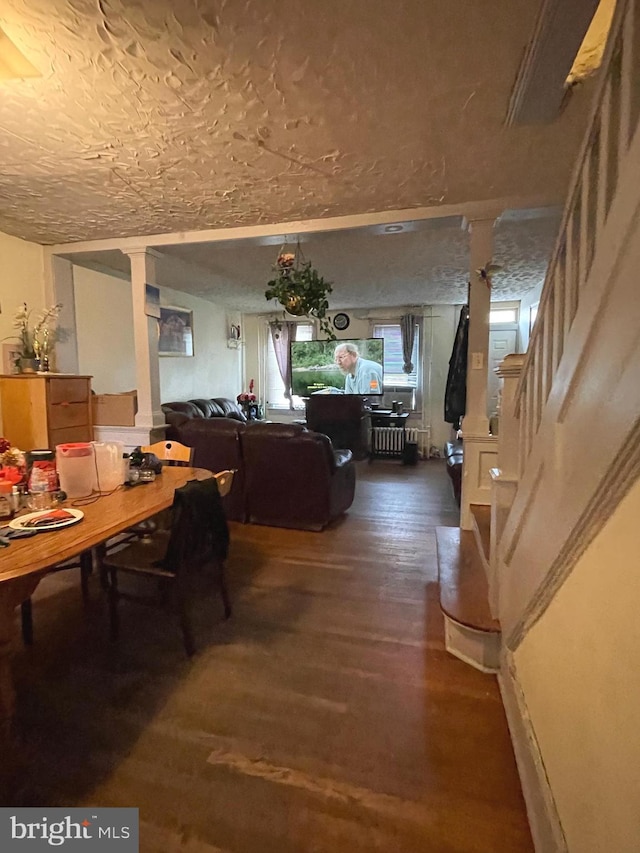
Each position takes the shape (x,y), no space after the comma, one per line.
(544,821)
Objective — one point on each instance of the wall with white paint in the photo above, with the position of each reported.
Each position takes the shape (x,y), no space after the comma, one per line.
(577,669)
(104,315)
(106,346)
(21,281)
(215,369)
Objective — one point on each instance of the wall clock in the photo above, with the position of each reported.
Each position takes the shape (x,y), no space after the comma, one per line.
(341,322)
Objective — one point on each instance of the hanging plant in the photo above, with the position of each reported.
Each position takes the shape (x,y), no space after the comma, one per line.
(301,290)
(486,272)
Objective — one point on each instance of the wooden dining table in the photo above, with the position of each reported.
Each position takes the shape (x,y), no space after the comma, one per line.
(25,562)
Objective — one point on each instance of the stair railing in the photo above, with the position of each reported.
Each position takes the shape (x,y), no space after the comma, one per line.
(612,126)
(561,427)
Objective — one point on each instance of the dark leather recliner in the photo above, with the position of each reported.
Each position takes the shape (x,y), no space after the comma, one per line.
(294,477)
(343,418)
(216,446)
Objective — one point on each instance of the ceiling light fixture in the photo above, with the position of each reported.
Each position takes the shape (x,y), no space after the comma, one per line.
(393,229)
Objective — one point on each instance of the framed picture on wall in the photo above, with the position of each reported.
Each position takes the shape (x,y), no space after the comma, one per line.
(10,356)
(152,301)
(175,332)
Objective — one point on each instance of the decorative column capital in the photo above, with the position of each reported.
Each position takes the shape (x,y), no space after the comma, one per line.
(477,223)
(141,250)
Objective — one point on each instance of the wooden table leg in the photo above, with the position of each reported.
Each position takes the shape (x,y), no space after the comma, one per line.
(12,594)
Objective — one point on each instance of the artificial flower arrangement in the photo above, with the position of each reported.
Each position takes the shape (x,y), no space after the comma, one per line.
(12,462)
(247,398)
(34,341)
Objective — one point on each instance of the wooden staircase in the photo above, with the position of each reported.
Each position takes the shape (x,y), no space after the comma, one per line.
(471,632)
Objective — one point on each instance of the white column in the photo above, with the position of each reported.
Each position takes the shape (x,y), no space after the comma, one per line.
(480,448)
(145,330)
(475,421)
(504,478)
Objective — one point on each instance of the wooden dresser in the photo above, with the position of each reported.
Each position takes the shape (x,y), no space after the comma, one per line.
(42,410)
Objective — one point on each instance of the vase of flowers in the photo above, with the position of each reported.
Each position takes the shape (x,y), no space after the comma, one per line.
(249,404)
(12,463)
(34,340)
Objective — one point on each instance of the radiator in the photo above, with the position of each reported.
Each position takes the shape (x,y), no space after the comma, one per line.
(422,437)
(388,439)
(392,439)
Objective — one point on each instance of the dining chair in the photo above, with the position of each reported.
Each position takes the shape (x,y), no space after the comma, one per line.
(224,479)
(170,452)
(197,538)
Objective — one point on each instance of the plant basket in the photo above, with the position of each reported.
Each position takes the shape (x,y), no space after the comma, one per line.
(301,290)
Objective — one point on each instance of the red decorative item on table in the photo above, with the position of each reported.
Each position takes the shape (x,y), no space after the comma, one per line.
(249,403)
(12,462)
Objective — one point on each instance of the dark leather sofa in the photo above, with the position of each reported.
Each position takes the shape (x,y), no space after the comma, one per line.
(211,427)
(287,476)
(453,453)
(216,443)
(214,407)
(294,477)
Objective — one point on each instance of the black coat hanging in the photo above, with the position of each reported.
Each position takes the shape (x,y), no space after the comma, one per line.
(455,395)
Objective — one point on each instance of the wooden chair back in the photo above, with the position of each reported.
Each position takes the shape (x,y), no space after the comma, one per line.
(224,480)
(170,452)
(197,541)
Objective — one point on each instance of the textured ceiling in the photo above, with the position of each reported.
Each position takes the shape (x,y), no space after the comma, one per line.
(427,263)
(154,116)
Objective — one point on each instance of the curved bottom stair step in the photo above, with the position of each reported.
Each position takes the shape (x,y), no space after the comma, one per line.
(471,632)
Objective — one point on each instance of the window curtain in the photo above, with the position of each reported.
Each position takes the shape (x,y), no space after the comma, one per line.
(408,332)
(281,334)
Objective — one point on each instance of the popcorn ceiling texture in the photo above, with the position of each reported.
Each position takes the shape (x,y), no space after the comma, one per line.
(155,116)
(429,265)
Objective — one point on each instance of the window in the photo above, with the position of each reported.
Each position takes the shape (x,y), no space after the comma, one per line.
(503,315)
(275,386)
(398,384)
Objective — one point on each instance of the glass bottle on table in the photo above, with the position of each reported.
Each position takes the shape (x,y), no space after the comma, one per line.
(6,502)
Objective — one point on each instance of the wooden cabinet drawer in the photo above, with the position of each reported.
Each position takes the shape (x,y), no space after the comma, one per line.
(69,434)
(68,415)
(44,410)
(68,390)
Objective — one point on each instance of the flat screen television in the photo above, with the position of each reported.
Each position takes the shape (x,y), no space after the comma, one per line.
(353,366)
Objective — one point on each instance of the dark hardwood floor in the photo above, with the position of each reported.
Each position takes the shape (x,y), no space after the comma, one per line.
(325,716)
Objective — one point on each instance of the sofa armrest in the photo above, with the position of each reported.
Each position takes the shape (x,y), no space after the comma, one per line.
(343,484)
(454,453)
(342,457)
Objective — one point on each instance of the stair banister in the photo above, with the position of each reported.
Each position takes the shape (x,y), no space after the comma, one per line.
(504,478)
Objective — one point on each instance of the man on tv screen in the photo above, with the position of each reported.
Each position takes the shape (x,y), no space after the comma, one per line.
(362,376)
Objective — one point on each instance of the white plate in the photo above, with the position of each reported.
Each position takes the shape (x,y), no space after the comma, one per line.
(20,523)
